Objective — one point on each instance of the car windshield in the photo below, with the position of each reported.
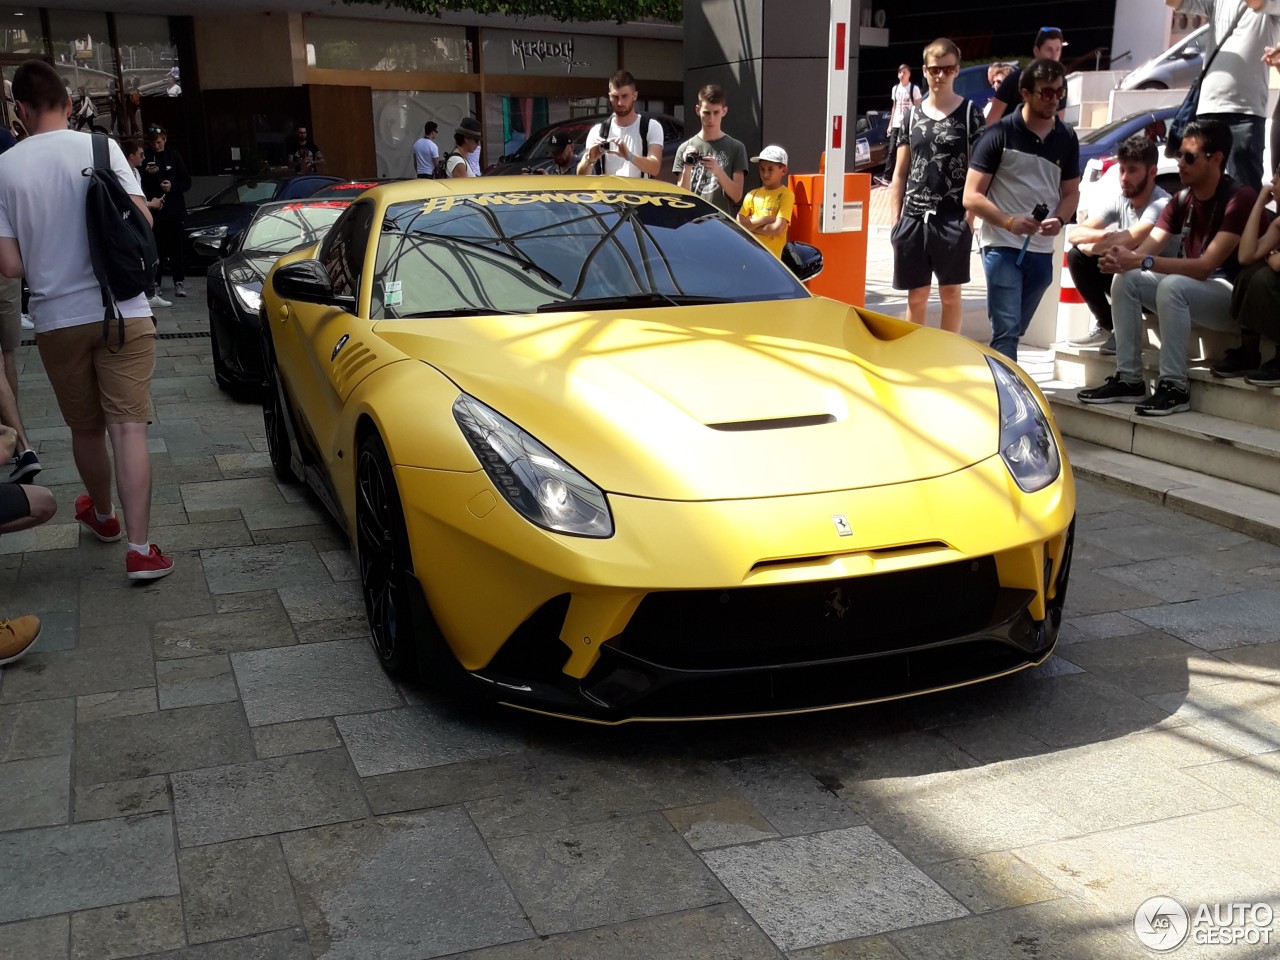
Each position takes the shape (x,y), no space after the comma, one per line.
(1109,132)
(566,250)
(538,147)
(251,191)
(277,229)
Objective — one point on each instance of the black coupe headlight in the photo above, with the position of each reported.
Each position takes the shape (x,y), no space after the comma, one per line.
(1027,446)
(541,486)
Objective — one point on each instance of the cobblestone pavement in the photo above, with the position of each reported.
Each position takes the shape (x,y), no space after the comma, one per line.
(213,767)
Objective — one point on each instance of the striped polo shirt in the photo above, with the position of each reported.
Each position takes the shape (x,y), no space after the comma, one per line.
(1025,171)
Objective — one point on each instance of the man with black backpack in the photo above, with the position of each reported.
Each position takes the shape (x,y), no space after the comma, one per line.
(97,343)
(628,144)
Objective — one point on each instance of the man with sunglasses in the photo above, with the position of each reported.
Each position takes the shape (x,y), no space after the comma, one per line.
(1234,89)
(1047,46)
(930,234)
(1028,160)
(1209,215)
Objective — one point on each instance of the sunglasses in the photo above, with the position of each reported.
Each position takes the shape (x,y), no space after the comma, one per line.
(1050,94)
(1188,157)
(945,70)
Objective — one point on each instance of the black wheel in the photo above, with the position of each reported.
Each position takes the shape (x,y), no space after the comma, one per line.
(273,418)
(400,628)
(219,367)
(1152,85)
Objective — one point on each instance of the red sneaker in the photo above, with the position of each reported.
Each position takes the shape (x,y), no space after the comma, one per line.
(108,531)
(151,567)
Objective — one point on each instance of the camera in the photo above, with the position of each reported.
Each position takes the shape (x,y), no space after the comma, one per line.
(692,157)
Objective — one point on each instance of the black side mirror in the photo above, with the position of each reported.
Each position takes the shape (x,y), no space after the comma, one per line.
(307,282)
(804,259)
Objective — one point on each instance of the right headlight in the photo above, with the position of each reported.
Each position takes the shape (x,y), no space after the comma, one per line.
(1027,446)
(541,486)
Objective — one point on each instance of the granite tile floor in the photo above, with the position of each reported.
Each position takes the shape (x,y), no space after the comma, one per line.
(213,767)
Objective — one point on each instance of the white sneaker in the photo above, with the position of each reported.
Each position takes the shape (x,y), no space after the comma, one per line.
(27,322)
(1095,338)
(159,301)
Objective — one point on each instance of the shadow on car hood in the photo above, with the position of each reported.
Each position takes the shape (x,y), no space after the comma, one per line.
(733,401)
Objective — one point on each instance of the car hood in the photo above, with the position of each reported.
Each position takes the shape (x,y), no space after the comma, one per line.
(725,402)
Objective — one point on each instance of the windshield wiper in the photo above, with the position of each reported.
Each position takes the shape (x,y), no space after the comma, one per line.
(650,299)
(458,312)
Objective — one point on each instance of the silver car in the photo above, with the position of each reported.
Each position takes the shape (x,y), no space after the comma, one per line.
(1176,68)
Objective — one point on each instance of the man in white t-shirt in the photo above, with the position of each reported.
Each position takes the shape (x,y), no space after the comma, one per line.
(103,387)
(623,148)
(425,152)
(904,96)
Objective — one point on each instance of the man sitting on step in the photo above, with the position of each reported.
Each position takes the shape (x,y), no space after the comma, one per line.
(1208,216)
(1123,220)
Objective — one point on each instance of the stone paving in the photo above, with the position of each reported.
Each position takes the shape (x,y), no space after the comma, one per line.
(213,767)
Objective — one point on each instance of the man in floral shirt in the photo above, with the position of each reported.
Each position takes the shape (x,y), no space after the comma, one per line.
(930,234)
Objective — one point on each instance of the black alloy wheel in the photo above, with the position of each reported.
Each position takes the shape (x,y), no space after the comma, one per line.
(273,418)
(385,563)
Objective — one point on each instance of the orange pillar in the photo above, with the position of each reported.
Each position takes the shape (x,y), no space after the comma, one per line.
(844,255)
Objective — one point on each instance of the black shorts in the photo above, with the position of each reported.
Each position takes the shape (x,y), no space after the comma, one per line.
(14,504)
(922,249)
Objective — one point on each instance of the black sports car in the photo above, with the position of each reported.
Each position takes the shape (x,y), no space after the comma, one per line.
(235,282)
(214,225)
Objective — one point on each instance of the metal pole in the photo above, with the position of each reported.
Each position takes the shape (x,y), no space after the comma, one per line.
(837,134)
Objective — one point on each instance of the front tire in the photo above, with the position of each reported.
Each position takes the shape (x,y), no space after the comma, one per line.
(273,416)
(392,597)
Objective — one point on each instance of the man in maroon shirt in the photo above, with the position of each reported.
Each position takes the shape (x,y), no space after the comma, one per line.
(1194,287)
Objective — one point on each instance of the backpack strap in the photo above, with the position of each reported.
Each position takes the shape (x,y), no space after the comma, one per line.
(102,167)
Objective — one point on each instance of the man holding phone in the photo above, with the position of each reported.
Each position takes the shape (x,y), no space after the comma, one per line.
(1028,158)
(621,148)
(711,163)
(165,181)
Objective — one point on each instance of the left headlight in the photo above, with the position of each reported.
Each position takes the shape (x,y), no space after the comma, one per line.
(541,486)
(1027,446)
(208,233)
(249,295)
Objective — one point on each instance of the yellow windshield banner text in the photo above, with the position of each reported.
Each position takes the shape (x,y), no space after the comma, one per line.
(442,204)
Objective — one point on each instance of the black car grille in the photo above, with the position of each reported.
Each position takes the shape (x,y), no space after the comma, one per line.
(751,627)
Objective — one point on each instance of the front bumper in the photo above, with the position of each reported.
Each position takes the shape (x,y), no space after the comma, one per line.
(735,608)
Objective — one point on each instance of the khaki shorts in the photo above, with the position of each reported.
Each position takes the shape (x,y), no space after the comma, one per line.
(10,314)
(98,381)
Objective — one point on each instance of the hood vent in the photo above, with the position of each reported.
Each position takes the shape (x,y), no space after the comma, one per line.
(776,423)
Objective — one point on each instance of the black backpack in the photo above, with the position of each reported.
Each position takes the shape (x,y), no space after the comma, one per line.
(442,164)
(121,244)
(602,132)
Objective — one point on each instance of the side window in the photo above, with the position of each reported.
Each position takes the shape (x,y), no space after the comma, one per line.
(342,254)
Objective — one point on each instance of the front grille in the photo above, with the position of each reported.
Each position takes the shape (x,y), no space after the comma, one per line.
(751,627)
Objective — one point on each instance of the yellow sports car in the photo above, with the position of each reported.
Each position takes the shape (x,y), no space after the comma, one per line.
(600,454)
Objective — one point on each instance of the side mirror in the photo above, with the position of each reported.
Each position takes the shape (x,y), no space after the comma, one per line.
(804,259)
(307,282)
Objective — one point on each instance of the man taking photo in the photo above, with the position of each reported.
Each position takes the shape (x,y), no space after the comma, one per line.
(621,149)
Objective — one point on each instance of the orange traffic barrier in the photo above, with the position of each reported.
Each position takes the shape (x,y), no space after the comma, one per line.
(844,255)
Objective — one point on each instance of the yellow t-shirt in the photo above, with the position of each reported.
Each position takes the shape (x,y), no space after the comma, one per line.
(779,202)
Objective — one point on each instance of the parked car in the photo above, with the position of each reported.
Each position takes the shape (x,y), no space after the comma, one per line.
(535,153)
(1098,151)
(235,281)
(1176,68)
(600,454)
(219,220)
(871,143)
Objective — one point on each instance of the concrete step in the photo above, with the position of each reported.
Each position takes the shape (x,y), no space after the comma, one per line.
(1227,399)
(1227,449)
(1253,512)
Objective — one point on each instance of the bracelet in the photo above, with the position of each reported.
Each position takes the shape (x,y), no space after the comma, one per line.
(1008,224)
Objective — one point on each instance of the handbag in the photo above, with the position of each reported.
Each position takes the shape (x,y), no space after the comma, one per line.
(1191,102)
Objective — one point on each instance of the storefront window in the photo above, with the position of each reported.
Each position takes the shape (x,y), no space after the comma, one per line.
(20,32)
(334,44)
(148,56)
(399,117)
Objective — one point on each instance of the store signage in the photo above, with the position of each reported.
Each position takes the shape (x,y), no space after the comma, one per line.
(544,50)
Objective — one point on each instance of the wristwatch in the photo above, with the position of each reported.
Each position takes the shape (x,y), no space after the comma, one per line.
(1148,262)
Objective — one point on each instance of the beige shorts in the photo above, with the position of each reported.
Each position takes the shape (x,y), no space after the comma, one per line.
(98,381)
(10,314)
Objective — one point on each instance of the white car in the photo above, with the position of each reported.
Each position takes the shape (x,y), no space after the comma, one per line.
(1175,69)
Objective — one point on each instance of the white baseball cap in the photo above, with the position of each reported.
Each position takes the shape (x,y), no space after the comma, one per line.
(773,155)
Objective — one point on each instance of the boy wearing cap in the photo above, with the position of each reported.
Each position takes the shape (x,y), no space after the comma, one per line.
(766,211)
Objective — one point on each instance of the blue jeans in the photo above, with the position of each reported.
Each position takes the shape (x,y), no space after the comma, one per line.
(1013,293)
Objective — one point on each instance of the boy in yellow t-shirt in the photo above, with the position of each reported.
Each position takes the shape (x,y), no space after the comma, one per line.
(766,211)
